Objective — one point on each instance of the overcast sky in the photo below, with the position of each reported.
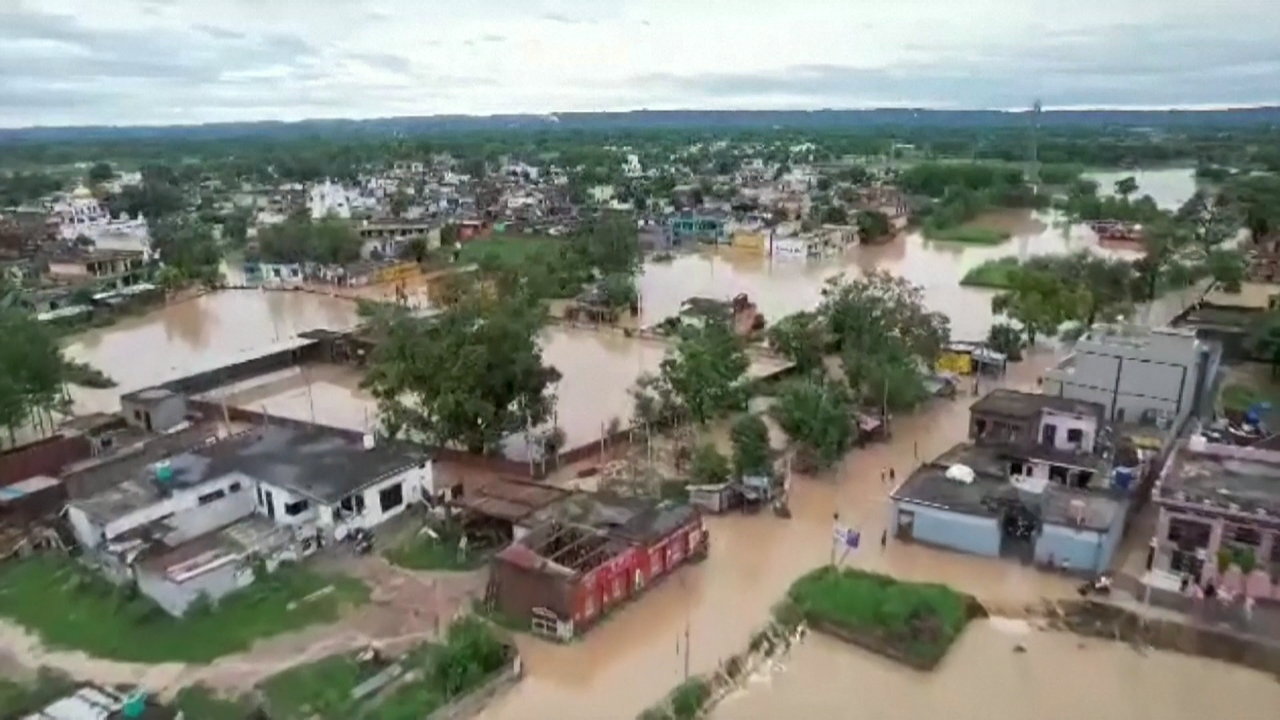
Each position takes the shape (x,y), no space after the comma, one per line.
(180,61)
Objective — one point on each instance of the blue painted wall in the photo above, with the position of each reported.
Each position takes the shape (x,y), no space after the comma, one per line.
(1085,550)
(967,533)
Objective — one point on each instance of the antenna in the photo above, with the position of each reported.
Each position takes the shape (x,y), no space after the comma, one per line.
(1033,163)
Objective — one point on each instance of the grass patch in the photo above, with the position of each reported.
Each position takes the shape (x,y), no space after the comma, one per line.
(202,703)
(69,606)
(435,675)
(420,551)
(912,622)
(1239,397)
(992,274)
(20,699)
(510,249)
(967,234)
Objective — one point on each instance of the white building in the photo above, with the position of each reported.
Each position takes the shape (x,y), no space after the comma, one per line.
(329,199)
(80,214)
(632,168)
(187,527)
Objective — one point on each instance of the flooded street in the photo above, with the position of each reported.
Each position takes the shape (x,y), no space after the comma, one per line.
(1060,677)
(633,658)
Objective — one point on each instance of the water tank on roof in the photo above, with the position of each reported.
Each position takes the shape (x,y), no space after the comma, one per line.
(135,706)
(369,441)
(164,471)
(1197,443)
(1122,478)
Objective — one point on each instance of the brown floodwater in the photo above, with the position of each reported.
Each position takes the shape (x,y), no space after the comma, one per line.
(1060,677)
(634,657)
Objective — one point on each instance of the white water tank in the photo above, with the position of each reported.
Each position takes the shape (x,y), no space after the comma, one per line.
(1197,443)
(368,441)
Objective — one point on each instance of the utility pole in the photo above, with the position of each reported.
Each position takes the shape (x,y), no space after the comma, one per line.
(1033,171)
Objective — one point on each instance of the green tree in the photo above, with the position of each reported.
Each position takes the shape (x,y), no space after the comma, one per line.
(709,466)
(449,235)
(399,203)
(751,454)
(235,228)
(1040,302)
(188,246)
(707,371)
(801,338)
(299,239)
(31,371)
(469,376)
(1007,339)
(817,414)
(861,313)
(101,172)
(1126,187)
(889,377)
(834,215)
(872,224)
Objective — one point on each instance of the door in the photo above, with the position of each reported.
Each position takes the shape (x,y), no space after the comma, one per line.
(1049,435)
(270,503)
(906,525)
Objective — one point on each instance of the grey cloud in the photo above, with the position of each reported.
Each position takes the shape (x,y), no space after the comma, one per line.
(219,33)
(384,61)
(1128,66)
(563,19)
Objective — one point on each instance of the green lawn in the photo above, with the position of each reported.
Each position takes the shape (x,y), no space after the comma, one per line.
(511,249)
(201,703)
(435,675)
(992,274)
(967,234)
(423,552)
(71,607)
(913,621)
(1240,396)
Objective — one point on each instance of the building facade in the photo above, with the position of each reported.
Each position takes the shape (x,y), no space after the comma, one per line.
(1158,376)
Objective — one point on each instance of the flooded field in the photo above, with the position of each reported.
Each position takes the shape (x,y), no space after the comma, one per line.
(1060,677)
(630,660)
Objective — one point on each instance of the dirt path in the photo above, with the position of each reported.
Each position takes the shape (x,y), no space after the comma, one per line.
(406,607)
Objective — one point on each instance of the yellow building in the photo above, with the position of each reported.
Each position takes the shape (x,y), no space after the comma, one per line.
(750,240)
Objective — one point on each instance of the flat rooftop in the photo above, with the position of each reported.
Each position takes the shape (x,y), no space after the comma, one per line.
(991,490)
(325,464)
(1014,403)
(1223,476)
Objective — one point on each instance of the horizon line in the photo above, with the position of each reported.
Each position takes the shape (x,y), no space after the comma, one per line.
(160,125)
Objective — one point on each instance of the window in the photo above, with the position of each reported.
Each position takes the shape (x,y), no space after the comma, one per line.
(352,504)
(234,487)
(1058,474)
(296,508)
(1049,434)
(1075,436)
(212,497)
(1015,468)
(980,427)
(1189,534)
(392,497)
(1244,535)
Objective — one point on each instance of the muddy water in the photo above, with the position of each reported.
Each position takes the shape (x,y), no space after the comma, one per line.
(629,661)
(1168,187)
(1060,677)
(197,334)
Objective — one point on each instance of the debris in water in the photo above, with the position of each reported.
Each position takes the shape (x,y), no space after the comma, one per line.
(1019,648)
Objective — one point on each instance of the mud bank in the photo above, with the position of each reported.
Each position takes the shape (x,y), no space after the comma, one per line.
(698,695)
(1109,622)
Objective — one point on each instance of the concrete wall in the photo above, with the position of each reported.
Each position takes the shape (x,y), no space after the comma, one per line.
(1131,375)
(191,517)
(1085,550)
(1064,424)
(42,457)
(957,531)
(175,598)
(202,382)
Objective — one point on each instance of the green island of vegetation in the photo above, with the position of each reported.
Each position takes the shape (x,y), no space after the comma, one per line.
(423,551)
(967,234)
(914,623)
(432,676)
(69,606)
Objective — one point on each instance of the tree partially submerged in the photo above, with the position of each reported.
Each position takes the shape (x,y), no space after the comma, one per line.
(31,371)
(751,454)
(703,377)
(801,338)
(817,414)
(469,376)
